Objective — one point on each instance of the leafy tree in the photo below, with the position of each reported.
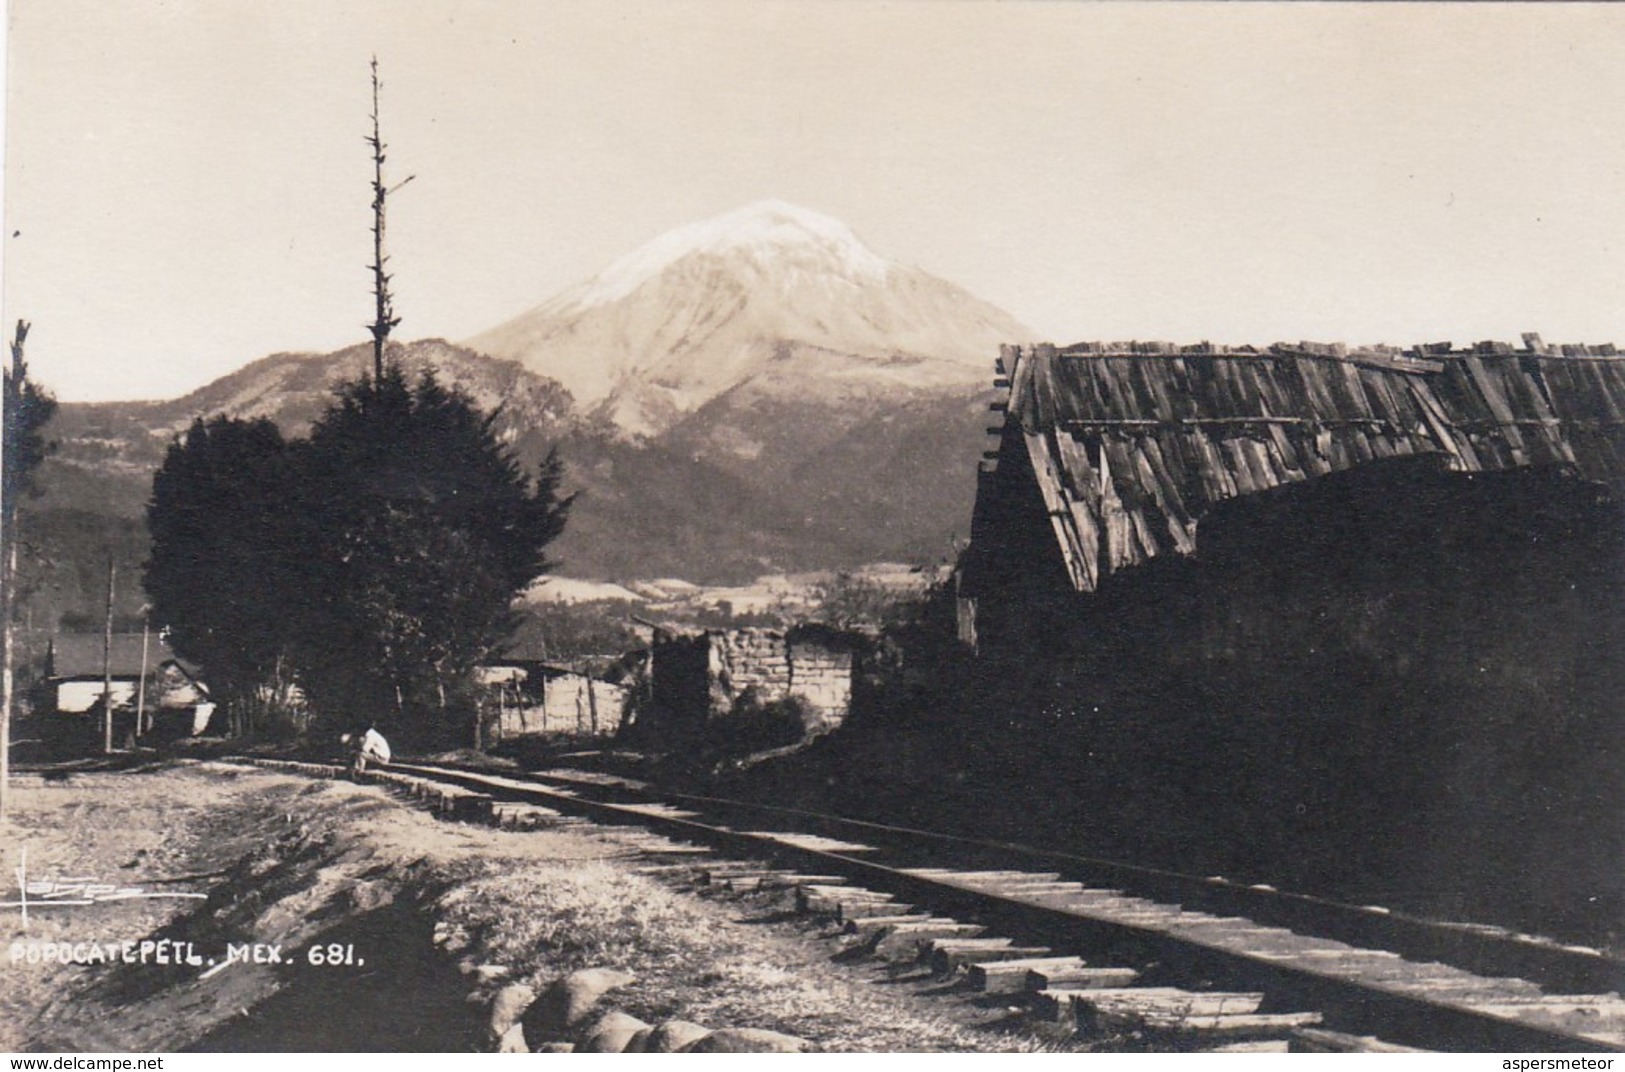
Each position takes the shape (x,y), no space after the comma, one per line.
(423,528)
(851,600)
(221,577)
(28,408)
(23,449)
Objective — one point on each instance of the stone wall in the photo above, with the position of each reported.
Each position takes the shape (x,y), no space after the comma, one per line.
(701,678)
(821,673)
(751,658)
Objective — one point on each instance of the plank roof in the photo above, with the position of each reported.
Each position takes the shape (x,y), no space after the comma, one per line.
(1132,443)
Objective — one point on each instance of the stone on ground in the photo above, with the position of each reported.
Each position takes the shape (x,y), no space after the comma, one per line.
(673,1035)
(748,1040)
(513,1040)
(566,1004)
(611,1033)
(508,1005)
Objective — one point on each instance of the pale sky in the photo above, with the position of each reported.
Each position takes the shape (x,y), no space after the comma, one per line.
(190,185)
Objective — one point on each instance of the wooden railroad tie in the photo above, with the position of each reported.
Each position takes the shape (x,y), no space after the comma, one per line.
(1320,1040)
(1039,973)
(728,875)
(869,926)
(1113,1006)
(848,911)
(1172,1013)
(1277,1025)
(664,848)
(902,941)
(792,880)
(945,955)
(827,900)
(663,870)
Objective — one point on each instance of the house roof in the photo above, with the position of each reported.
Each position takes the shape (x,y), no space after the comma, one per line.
(80,654)
(1131,443)
(528,647)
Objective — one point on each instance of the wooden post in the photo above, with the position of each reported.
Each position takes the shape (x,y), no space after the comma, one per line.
(107,663)
(7,583)
(141,682)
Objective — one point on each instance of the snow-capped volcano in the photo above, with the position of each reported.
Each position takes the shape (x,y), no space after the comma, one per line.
(770,294)
(768,236)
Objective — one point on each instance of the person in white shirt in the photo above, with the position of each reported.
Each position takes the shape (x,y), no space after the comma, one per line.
(369,747)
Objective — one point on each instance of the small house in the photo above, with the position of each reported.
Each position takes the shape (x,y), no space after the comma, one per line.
(81,666)
(526,696)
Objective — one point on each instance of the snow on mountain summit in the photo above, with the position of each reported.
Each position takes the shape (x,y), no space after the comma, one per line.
(770,295)
(764,233)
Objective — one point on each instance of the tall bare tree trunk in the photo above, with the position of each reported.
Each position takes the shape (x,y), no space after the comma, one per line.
(8,575)
(26,410)
(384,319)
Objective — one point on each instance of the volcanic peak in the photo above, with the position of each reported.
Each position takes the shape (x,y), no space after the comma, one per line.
(765,233)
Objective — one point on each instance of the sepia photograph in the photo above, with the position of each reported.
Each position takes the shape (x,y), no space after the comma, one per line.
(812,526)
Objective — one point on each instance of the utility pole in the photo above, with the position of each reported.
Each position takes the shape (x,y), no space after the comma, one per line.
(141,682)
(384,319)
(107,663)
(8,584)
(8,572)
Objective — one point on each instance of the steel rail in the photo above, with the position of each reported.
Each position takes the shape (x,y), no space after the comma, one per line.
(1395,1011)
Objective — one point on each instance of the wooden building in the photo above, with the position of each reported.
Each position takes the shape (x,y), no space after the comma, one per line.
(532,698)
(1122,448)
(78,666)
(1351,621)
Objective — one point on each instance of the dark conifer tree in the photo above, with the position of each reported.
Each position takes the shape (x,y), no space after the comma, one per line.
(224,577)
(424,529)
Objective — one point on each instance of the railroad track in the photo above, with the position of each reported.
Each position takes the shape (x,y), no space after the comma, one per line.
(1095,946)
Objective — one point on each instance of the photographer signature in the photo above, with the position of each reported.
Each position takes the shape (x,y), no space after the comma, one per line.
(60,891)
